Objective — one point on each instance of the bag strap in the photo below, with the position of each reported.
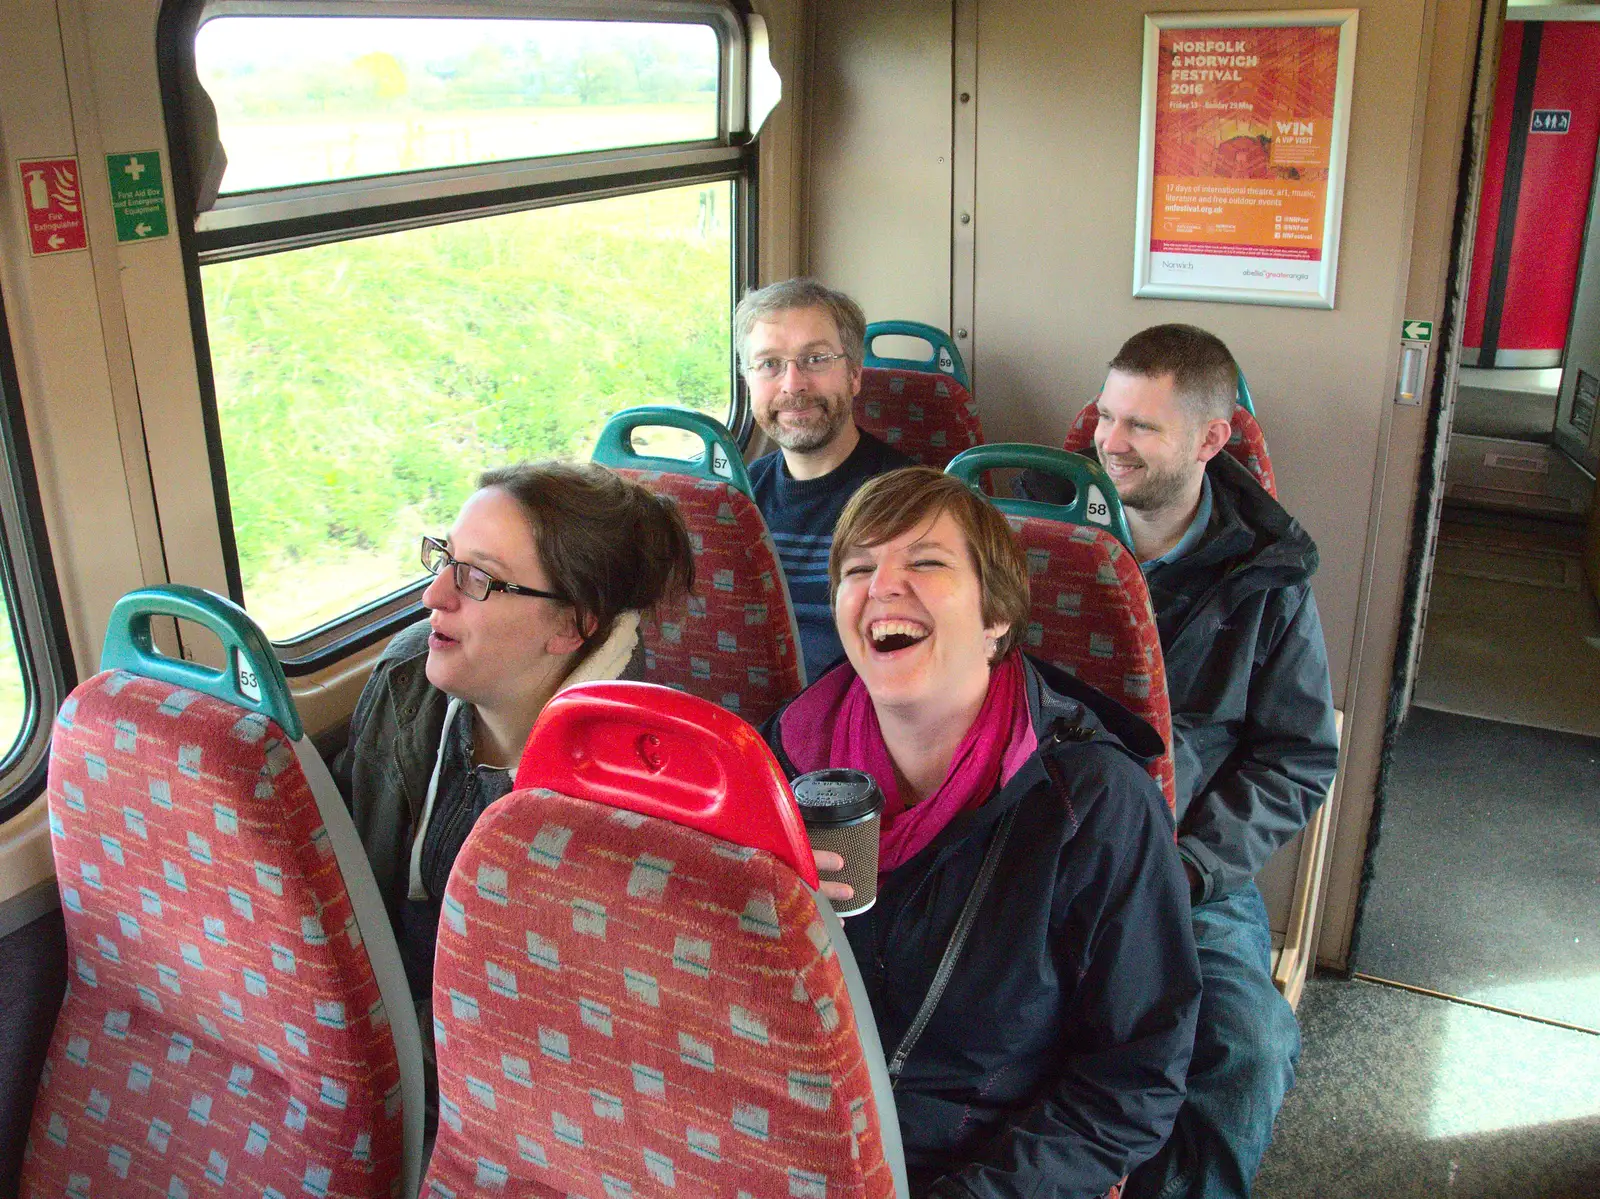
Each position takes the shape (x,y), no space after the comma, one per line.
(952,951)
(1060,732)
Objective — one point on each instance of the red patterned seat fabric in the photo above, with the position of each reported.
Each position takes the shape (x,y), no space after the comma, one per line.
(222,1032)
(928,417)
(1248,443)
(1091,616)
(627,1007)
(733,642)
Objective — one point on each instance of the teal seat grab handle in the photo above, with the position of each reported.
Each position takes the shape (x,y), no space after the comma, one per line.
(253,679)
(722,461)
(1246,401)
(1094,502)
(944,358)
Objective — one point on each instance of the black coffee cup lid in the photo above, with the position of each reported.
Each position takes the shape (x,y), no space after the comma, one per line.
(837,795)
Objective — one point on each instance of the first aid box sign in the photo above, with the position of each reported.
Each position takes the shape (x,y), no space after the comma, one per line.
(52,197)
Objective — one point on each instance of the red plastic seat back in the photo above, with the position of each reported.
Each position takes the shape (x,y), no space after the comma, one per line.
(223,1031)
(627,1005)
(1248,443)
(928,417)
(1091,616)
(733,641)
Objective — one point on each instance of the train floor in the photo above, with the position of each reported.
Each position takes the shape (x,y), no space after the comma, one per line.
(1406,1096)
(1464,1057)
(1513,632)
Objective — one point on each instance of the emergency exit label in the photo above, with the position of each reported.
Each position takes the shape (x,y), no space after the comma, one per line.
(138,196)
(1416,331)
(1550,120)
(53,200)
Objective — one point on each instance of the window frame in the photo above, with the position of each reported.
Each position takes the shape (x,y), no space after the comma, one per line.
(33,599)
(274,220)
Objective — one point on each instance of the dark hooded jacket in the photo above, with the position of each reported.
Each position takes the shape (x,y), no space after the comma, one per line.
(1055,1061)
(1254,742)
(1255,745)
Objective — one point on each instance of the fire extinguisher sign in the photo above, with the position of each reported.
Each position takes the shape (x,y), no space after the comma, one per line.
(52,196)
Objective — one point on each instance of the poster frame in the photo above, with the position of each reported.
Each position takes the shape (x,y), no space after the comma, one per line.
(1322,296)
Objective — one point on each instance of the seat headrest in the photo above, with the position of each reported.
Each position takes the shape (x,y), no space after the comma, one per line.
(659,752)
(253,679)
(722,461)
(943,357)
(1094,501)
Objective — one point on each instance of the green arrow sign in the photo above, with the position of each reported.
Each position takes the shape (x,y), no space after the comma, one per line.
(138,195)
(1416,330)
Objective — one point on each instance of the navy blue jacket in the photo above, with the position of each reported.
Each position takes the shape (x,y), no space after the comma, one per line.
(1254,740)
(1055,1062)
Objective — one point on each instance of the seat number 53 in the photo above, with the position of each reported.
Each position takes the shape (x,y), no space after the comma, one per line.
(245,675)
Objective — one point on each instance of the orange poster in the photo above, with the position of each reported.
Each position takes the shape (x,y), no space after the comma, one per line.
(1241,157)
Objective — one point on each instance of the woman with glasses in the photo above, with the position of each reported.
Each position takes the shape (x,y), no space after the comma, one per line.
(538,586)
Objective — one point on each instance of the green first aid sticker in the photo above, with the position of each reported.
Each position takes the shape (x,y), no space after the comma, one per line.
(138,196)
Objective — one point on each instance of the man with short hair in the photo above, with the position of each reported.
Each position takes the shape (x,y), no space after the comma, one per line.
(1252,721)
(801,346)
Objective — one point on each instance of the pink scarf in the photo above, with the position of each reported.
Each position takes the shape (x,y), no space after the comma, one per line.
(997,745)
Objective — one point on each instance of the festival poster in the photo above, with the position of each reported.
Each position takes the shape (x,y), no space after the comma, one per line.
(1243,149)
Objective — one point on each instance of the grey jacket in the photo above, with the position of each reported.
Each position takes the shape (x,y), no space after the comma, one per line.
(1247,673)
(383,770)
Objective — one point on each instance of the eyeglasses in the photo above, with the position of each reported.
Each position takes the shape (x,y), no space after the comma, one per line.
(809,364)
(471,582)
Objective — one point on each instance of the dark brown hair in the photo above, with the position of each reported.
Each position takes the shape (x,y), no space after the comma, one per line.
(892,504)
(1205,377)
(607,544)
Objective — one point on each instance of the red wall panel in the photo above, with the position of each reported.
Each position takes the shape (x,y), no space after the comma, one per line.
(1554,204)
(1494,178)
(1553,201)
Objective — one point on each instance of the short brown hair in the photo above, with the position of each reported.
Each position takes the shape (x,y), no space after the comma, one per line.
(802,292)
(891,504)
(1204,374)
(607,544)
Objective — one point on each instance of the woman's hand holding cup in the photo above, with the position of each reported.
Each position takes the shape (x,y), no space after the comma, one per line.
(832,863)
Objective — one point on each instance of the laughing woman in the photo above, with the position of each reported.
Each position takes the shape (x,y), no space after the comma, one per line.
(1054,1059)
(538,586)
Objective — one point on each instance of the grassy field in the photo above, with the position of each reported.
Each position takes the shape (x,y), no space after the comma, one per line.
(13,699)
(275,152)
(361,386)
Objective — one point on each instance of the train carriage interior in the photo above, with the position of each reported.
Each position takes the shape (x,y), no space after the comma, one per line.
(279,278)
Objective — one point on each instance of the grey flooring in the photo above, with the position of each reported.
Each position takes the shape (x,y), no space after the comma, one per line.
(1486,877)
(1517,415)
(1403,1096)
(1518,404)
(1512,630)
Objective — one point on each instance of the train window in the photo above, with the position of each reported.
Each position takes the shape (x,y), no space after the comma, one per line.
(13,690)
(34,675)
(309,99)
(429,244)
(361,385)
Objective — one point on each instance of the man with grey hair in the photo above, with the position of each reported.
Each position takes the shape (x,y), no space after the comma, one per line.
(1254,744)
(801,345)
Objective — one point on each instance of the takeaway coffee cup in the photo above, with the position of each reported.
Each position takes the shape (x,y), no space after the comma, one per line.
(841,809)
